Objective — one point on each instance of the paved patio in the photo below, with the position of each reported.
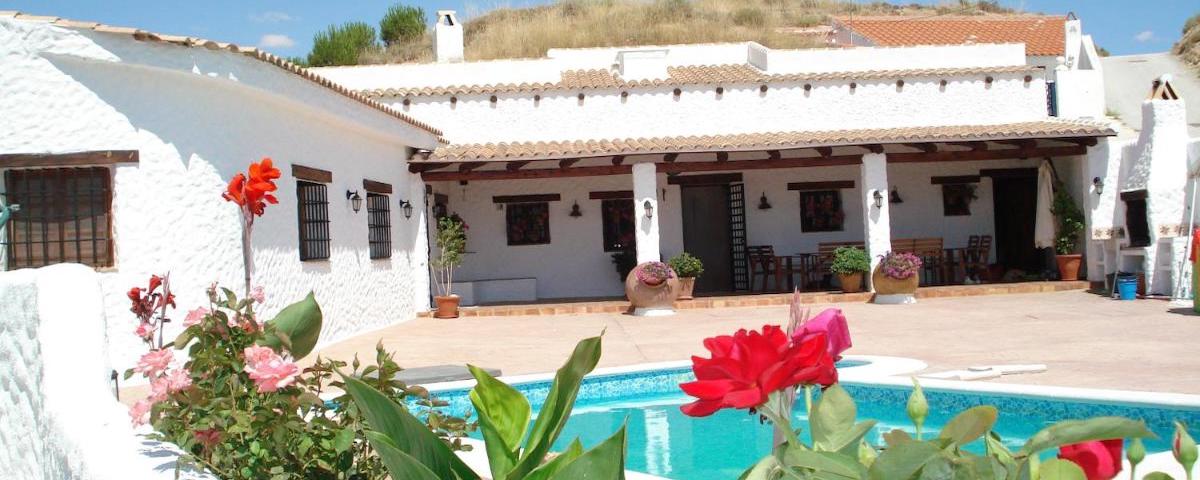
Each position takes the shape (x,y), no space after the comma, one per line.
(1084,339)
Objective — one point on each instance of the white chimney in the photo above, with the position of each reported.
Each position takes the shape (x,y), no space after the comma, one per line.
(447,38)
(645,64)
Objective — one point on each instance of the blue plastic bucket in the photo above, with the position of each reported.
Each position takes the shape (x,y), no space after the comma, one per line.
(1127,287)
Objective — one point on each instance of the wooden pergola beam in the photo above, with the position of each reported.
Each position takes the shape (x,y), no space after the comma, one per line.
(533,173)
(971,145)
(871,148)
(468,166)
(425,167)
(722,156)
(567,162)
(924,147)
(945,156)
(1019,143)
(514,166)
(670,157)
(824,151)
(618,159)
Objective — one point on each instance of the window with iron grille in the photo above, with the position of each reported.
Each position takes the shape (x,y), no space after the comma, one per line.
(821,211)
(379,225)
(313,201)
(65,215)
(618,221)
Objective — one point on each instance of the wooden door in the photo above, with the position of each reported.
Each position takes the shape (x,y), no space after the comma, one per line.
(706,227)
(1015,207)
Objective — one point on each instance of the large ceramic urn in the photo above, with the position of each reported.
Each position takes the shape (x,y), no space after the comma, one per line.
(890,290)
(651,300)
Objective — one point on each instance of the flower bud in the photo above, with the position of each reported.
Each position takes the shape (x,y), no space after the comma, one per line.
(918,408)
(1184,448)
(1136,452)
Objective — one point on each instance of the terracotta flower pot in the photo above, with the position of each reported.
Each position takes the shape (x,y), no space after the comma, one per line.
(885,285)
(1068,267)
(851,282)
(447,306)
(659,297)
(686,286)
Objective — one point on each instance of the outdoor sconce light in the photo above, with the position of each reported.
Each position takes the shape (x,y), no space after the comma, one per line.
(406,207)
(763,204)
(649,209)
(355,200)
(575,212)
(894,196)
(878,199)
(1098,184)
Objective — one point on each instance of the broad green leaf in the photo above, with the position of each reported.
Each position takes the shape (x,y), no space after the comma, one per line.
(938,468)
(978,468)
(301,322)
(399,464)
(995,448)
(605,461)
(847,441)
(343,440)
(903,461)
(761,470)
(831,416)
(1157,476)
(408,434)
(830,465)
(184,337)
(896,437)
(557,407)
(1074,431)
(503,418)
(548,469)
(969,425)
(1056,469)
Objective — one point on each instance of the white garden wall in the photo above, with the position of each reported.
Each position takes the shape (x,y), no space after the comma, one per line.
(198,117)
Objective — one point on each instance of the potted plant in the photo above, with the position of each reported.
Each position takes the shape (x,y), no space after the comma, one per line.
(849,264)
(451,245)
(688,268)
(652,288)
(1070,223)
(896,278)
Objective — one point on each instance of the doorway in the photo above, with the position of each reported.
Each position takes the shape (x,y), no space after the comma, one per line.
(706,227)
(1014,197)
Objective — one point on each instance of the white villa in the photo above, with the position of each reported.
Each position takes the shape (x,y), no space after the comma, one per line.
(116,143)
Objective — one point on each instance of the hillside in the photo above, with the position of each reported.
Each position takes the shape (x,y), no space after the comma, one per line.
(529,32)
(1188,46)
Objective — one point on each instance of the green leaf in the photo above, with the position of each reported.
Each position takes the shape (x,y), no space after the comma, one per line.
(503,418)
(557,407)
(1057,469)
(1157,476)
(832,416)
(969,425)
(830,465)
(938,468)
(761,470)
(548,469)
(896,437)
(847,441)
(343,440)
(400,464)
(605,461)
(184,337)
(408,434)
(1075,431)
(996,449)
(301,322)
(903,461)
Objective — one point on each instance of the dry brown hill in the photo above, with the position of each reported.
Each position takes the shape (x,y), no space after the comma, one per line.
(1188,46)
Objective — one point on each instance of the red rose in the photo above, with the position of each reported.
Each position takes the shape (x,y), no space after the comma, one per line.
(1099,459)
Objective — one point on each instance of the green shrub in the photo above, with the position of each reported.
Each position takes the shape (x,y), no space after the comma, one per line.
(687,266)
(849,260)
(341,45)
(402,23)
(1070,220)
(749,17)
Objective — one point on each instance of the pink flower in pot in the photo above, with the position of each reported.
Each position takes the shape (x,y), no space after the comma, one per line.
(654,273)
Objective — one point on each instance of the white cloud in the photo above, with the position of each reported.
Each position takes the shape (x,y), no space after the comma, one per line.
(271,17)
(276,40)
(1144,36)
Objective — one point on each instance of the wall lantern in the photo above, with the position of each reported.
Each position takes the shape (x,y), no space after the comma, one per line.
(1098,183)
(763,204)
(355,200)
(575,212)
(406,207)
(878,199)
(894,196)
(649,209)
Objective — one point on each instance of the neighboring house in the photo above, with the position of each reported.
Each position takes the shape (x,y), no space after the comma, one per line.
(118,142)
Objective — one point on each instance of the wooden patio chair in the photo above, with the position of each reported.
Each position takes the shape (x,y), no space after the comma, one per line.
(762,264)
(933,260)
(975,257)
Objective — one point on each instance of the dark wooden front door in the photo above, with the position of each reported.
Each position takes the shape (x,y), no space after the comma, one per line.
(1015,206)
(706,234)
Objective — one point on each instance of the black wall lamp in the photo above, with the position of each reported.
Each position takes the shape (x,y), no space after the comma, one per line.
(763,204)
(1098,183)
(649,209)
(575,212)
(406,207)
(355,200)
(894,196)
(878,199)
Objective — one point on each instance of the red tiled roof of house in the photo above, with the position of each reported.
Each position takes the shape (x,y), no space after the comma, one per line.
(1041,34)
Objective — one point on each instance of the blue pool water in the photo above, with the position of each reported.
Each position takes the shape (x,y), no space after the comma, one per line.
(664,442)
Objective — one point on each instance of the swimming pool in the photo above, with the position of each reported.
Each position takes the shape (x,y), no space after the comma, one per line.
(664,442)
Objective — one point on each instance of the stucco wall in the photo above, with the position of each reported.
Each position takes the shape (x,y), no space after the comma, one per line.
(198,117)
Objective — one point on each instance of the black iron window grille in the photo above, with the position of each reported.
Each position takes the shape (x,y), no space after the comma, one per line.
(617,216)
(65,215)
(379,225)
(313,201)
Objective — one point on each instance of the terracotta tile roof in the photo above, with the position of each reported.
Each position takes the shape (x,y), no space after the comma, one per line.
(1042,35)
(1046,128)
(252,52)
(728,74)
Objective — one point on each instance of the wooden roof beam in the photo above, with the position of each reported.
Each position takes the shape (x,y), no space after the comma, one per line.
(1019,143)
(824,151)
(618,159)
(974,146)
(924,147)
(567,162)
(722,156)
(872,148)
(468,166)
(514,166)
(1083,141)
(419,167)
(670,157)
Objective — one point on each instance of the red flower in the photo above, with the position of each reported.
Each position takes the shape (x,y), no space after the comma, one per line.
(1099,459)
(255,193)
(748,366)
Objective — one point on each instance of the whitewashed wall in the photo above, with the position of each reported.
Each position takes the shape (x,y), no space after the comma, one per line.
(198,117)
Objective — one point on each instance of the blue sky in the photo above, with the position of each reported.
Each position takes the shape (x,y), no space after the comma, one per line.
(286,27)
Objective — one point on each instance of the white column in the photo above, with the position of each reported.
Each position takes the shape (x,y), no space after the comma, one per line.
(645,189)
(876,222)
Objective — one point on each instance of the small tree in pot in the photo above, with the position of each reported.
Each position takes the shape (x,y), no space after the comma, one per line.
(688,268)
(1070,223)
(849,264)
(451,244)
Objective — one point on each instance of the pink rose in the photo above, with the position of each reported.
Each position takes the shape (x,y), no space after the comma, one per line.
(154,362)
(139,413)
(258,354)
(178,380)
(194,317)
(145,331)
(258,295)
(159,388)
(207,437)
(269,371)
